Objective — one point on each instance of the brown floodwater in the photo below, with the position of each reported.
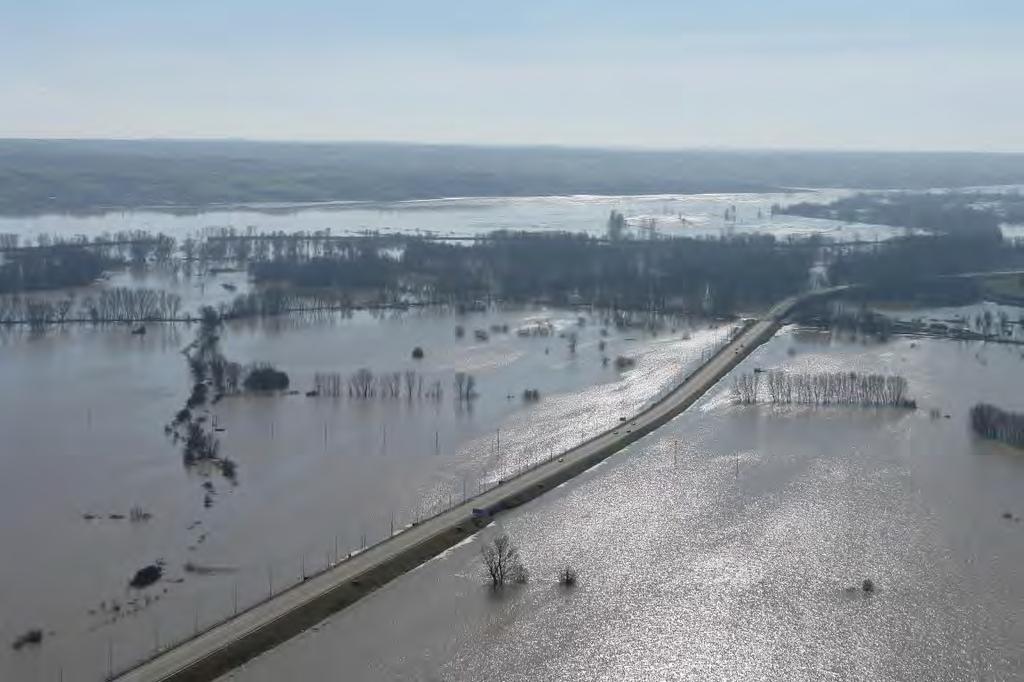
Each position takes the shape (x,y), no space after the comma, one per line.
(82,418)
(732,544)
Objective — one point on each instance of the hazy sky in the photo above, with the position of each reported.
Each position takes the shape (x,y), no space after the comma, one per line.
(891,74)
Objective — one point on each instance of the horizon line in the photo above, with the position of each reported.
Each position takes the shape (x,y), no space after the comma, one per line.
(522,145)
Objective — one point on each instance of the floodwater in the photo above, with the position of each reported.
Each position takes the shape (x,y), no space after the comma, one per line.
(732,544)
(674,214)
(82,423)
(82,420)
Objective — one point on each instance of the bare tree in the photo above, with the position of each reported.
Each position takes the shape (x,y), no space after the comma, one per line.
(826,388)
(64,307)
(502,562)
(434,391)
(465,386)
(568,576)
(392,384)
(360,384)
(232,376)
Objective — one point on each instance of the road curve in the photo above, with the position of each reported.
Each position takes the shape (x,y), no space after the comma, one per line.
(265,625)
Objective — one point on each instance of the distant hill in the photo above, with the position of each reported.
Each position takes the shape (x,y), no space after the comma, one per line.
(39,176)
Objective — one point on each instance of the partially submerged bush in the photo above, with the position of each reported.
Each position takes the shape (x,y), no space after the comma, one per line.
(266,378)
(229,469)
(33,636)
(199,445)
(146,576)
(567,576)
(138,515)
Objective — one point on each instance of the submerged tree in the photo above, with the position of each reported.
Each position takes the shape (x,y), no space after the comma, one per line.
(465,386)
(989,421)
(616,226)
(825,388)
(361,384)
(502,562)
(568,576)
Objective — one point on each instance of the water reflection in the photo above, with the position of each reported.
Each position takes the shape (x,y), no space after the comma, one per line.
(317,477)
(733,544)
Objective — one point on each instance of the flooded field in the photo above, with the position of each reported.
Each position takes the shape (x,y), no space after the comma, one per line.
(733,543)
(99,489)
(673,214)
(318,477)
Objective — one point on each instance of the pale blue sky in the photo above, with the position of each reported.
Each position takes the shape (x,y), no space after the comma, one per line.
(899,74)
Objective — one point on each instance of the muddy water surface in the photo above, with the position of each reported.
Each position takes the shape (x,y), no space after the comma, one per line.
(318,476)
(733,543)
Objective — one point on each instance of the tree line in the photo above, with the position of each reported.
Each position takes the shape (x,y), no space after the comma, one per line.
(911,266)
(50,269)
(363,384)
(942,213)
(712,275)
(125,304)
(117,304)
(560,268)
(821,389)
(989,421)
(212,372)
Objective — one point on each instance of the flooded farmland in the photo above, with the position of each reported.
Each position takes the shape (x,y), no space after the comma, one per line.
(734,542)
(99,489)
(671,214)
(318,477)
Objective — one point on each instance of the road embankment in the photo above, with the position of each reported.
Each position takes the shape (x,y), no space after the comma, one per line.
(260,628)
